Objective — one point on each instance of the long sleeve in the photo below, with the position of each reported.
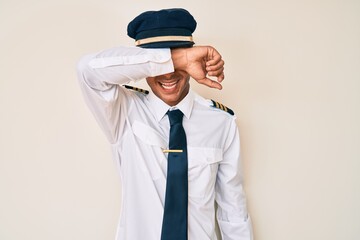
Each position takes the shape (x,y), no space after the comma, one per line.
(102,74)
(232,215)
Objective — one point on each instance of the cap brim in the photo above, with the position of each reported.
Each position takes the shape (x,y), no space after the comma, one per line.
(169,44)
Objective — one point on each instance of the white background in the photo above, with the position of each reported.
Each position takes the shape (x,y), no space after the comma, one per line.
(292,77)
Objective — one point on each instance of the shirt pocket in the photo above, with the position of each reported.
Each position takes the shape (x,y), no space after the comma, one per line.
(203,164)
(148,135)
(149,152)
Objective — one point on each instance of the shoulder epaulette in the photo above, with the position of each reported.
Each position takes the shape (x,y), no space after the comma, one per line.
(222,107)
(136,89)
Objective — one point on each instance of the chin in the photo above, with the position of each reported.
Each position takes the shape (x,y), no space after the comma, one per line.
(170,100)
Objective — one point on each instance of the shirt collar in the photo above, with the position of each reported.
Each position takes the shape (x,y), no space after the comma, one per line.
(160,108)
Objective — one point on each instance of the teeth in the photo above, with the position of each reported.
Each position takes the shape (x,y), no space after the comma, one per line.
(169,85)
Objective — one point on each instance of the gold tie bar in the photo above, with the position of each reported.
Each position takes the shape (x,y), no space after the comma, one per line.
(172,151)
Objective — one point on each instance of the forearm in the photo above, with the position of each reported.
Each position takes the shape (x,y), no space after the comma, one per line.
(179,58)
(121,65)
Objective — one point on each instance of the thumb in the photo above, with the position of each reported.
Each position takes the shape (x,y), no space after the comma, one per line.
(210,83)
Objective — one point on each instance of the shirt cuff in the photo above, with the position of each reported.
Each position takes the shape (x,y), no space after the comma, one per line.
(161,61)
(236,230)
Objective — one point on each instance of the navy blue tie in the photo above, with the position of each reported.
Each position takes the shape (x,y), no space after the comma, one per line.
(176,198)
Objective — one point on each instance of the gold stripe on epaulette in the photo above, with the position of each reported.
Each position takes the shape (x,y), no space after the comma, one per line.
(136,89)
(222,107)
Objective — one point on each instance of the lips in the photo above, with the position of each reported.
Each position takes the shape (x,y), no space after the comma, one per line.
(169,85)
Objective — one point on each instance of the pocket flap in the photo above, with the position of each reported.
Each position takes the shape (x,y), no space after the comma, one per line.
(201,155)
(148,135)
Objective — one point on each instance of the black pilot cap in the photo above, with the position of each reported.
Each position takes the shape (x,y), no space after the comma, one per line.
(167,28)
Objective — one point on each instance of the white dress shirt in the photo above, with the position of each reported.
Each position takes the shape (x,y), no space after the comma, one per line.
(137,127)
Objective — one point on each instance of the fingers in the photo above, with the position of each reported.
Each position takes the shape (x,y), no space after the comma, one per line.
(210,83)
(214,57)
(221,77)
(216,73)
(215,66)
(205,61)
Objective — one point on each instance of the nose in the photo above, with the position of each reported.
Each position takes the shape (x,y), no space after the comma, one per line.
(166,76)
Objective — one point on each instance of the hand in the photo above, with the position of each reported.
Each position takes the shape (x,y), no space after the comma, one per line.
(200,62)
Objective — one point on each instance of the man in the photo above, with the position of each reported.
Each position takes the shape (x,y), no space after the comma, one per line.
(178,153)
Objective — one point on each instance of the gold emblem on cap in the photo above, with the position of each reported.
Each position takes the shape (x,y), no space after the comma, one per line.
(163,39)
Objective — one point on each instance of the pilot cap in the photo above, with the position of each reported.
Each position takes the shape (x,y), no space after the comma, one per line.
(167,28)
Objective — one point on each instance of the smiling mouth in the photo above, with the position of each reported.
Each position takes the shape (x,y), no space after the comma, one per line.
(169,85)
